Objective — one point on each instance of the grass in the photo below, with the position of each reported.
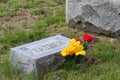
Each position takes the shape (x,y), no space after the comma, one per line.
(52,23)
(3,9)
(4,1)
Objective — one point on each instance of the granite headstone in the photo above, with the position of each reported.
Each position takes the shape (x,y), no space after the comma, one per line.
(34,58)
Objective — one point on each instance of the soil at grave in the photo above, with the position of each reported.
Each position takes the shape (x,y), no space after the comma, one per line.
(22,20)
(93,61)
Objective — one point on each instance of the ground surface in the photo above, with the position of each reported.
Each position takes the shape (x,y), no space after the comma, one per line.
(25,21)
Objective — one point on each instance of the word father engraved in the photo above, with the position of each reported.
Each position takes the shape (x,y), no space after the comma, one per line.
(45,47)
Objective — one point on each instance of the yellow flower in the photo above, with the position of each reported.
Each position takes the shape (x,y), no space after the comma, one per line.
(72,42)
(68,51)
(79,48)
(75,47)
(81,53)
(64,52)
(71,50)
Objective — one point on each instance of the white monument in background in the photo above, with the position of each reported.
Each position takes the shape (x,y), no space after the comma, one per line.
(96,16)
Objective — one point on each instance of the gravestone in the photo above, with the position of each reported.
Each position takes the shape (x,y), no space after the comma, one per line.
(96,16)
(36,57)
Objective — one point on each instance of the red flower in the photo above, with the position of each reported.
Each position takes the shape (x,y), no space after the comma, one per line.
(77,39)
(87,37)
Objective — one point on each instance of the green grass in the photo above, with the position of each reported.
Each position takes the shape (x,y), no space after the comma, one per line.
(53,23)
(2,14)
(4,1)
(3,10)
(37,11)
(52,4)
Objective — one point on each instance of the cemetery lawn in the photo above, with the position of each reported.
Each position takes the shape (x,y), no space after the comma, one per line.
(24,21)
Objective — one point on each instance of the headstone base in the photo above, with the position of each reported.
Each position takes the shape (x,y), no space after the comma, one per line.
(27,65)
(89,27)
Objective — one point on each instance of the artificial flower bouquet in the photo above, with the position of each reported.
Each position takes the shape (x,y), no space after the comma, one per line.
(78,49)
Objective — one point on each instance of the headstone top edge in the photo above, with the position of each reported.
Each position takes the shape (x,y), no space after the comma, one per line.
(51,37)
(36,50)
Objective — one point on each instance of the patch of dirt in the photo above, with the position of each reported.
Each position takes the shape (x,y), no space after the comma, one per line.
(1,31)
(3,58)
(93,61)
(21,19)
(2,4)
